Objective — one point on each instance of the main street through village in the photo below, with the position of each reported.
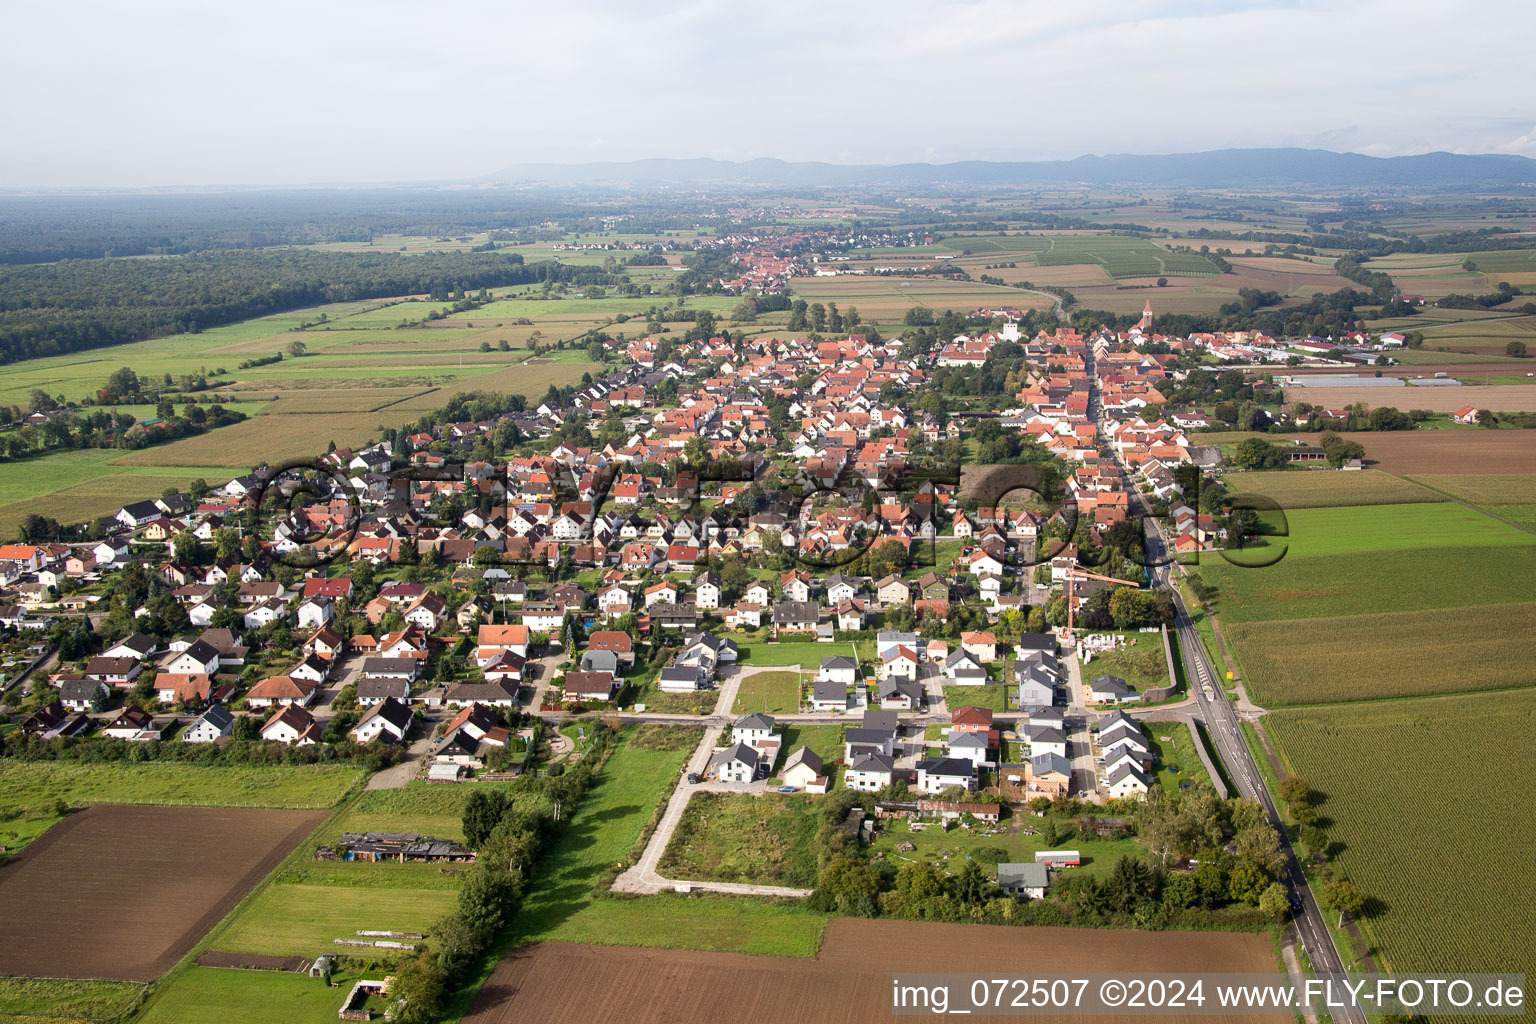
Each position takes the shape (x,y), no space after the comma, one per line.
(1217,712)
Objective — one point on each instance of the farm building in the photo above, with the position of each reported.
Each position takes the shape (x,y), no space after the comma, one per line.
(399,846)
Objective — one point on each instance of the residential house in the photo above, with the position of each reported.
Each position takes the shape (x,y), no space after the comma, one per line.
(389,720)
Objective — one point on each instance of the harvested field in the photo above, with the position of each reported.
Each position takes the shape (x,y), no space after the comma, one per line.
(1366,657)
(1319,488)
(1411,452)
(844,983)
(144,883)
(1498,397)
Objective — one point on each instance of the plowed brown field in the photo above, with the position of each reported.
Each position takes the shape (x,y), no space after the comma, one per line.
(121,893)
(560,983)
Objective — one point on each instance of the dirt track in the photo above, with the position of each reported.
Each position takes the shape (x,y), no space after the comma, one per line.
(122,893)
(560,983)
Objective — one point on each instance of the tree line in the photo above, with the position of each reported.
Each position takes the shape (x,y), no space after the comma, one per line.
(51,309)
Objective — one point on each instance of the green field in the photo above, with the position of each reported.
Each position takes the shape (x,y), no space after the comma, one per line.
(806,655)
(302,920)
(1123,256)
(1445,865)
(562,906)
(739,837)
(993,696)
(1490,489)
(1317,488)
(1392,654)
(774,693)
(207,995)
(1352,530)
(1361,583)
(300,787)
(43,1000)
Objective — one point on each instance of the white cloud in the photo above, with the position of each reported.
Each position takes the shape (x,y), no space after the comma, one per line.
(171,91)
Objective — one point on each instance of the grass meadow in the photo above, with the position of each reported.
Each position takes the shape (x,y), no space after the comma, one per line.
(739,837)
(1424,797)
(302,920)
(774,693)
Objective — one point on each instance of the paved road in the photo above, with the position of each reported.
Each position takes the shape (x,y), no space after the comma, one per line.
(1222,723)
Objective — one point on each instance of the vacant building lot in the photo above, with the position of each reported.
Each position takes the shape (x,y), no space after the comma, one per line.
(844,983)
(737,837)
(1430,908)
(143,884)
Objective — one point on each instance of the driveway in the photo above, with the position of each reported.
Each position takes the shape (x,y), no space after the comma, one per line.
(404,773)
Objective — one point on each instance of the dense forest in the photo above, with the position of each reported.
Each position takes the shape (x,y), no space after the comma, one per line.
(53,308)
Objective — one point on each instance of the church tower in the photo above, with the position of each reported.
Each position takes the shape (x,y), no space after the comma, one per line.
(1146,318)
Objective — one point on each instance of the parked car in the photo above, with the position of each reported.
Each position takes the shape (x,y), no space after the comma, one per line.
(693,778)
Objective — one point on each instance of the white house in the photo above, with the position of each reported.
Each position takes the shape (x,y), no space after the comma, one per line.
(738,763)
(389,720)
(940,773)
(1127,780)
(211,725)
(870,772)
(315,612)
(293,726)
(842,670)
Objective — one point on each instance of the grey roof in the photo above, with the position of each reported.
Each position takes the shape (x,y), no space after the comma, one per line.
(1125,768)
(873,763)
(380,688)
(390,667)
(735,752)
(948,766)
(840,662)
(218,716)
(1025,876)
(892,685)
(681,674)
(1046,734)
(796,611)
(829,691)
(861,734)
(1118,718)
(1037,642)
(71,690)
(394,712)
(805,756)
(755,721)
(1040,764)
(968,739)
(874,718)
(1109,684)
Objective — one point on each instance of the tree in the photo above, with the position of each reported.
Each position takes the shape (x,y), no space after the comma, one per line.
(184,546)
(1343,895)
(1261,844)
(1247,882)
(1275,902)
(297,348)
(1294,789)
(1515,350)
(849,884)
(418,988)
(483,811)
(41,401)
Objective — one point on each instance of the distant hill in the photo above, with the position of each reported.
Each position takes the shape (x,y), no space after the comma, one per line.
(1225,168)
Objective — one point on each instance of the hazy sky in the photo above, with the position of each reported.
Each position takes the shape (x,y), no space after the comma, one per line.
(196,92)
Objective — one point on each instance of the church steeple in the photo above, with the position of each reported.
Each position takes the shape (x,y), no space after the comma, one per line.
(1146,317)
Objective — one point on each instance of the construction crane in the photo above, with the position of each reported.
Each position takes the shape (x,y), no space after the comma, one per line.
(1072,575)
